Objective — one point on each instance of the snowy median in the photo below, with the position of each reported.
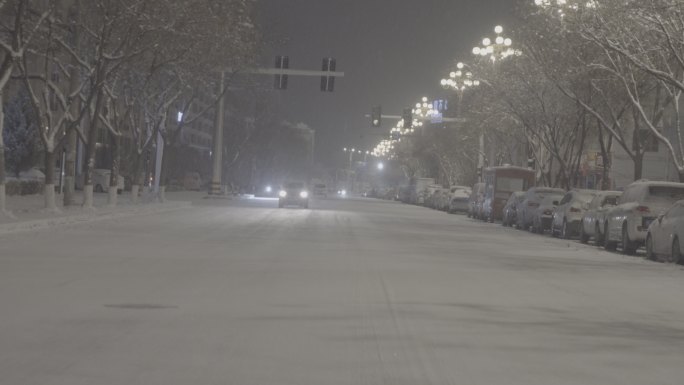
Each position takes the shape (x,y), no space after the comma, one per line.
(28,212)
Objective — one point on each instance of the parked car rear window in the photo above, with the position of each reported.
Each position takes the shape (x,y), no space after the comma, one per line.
(669,193)
(609,201)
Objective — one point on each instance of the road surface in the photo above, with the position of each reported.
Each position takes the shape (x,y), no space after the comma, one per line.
(349,292)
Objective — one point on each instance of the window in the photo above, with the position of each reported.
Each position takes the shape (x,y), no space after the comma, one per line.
(509,184)
(566,198)
(609,201)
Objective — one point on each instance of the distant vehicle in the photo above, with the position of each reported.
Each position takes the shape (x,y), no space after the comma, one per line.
(627,223)
(101,178)
(527,208)
(666,235)
(475,201)
(542,216)
(591,225)
(567,217)
(500,183)
(293,194)
(511,207)
(320,190)
(459,200)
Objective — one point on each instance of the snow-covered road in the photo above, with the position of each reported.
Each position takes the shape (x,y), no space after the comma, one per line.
(351,292)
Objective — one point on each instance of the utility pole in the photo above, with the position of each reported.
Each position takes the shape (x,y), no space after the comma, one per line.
(215,187)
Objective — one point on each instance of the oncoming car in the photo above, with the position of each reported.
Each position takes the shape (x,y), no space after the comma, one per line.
(293,194)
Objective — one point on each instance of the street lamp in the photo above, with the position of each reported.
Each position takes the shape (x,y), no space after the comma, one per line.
(561,6)
(498,48)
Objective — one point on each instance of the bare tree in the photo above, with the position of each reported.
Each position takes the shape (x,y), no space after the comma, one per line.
(17,31)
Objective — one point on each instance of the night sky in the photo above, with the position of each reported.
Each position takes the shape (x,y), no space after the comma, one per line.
(392,52)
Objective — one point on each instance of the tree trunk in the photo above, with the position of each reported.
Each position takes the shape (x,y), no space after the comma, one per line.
(3,204)
(49,193)
(137,177)
(164,174)
(90,155)
(70,167)
(638,165)
(114,176)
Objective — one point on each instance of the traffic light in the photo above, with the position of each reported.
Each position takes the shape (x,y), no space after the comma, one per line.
(328,82)
(376,116)
(280,81)
(408,118)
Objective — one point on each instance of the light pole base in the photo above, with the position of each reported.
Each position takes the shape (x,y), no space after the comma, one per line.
(215,188)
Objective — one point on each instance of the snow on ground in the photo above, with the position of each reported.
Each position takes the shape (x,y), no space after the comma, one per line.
(350,292)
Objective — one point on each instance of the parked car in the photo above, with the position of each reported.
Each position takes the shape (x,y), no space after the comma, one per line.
(627,223)
(475,202)
(542,216)
(594,217)
(192,181)
(459,201)
(430,195)
(666,235)
(101,178)
(528,207)
(511,207)
(567,217)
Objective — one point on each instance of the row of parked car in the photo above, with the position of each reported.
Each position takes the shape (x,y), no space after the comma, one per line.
(646,214)
(452,200)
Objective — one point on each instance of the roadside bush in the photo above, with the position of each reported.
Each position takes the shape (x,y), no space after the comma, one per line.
(23,187)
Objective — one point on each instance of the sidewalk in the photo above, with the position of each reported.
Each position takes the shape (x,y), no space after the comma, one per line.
(30,214)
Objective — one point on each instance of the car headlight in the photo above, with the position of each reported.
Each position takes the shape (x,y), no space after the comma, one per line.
(303,194)
(282,193)
(343,192)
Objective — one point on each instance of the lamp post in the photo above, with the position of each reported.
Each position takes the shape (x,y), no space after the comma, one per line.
(351,152)
(498,48)
(495,49)
(460,80)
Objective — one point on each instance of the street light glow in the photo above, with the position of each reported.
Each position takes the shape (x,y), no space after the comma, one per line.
(381,166)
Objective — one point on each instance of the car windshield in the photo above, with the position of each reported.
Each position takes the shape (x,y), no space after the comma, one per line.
(294,185)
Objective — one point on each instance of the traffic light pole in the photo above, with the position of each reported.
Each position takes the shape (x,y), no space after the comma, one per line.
(217,169)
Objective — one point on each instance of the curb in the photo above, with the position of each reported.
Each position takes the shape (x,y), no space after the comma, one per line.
(99,214)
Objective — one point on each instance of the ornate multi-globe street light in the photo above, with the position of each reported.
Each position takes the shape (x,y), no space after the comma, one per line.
(498,48)
(460,80)
(562,6)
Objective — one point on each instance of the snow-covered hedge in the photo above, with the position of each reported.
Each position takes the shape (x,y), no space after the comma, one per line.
(23,187)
